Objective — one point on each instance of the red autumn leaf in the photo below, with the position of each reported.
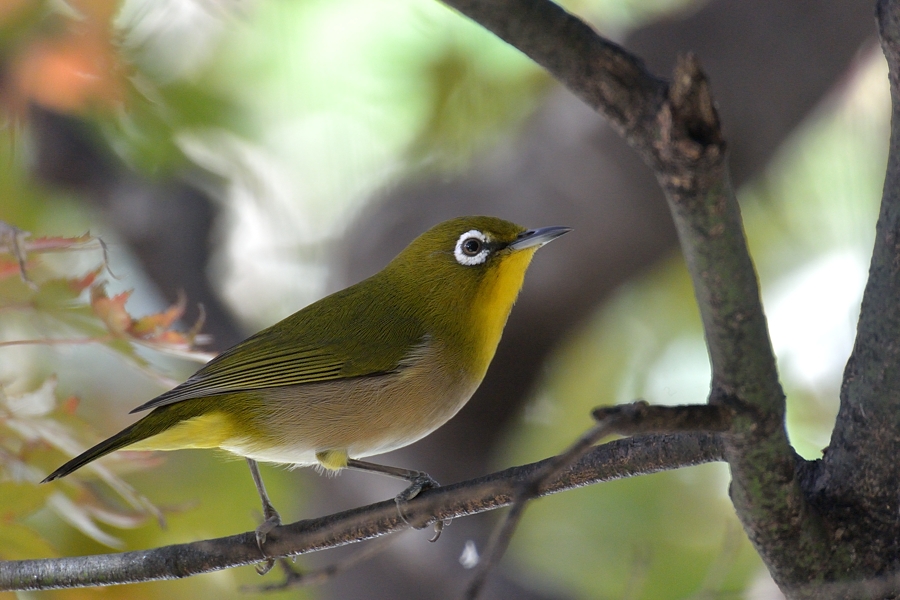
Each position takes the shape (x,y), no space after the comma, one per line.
(173,338)
(153,326)
(111,310)
(9,268)
(57,243)
(79,285)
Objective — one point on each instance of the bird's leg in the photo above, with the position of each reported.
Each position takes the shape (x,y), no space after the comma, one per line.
(418,481)
(271,516)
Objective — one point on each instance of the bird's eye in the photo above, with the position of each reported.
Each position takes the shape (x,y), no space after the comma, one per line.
(472,248)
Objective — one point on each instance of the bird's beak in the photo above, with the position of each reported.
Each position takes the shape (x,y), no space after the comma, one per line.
(537,237)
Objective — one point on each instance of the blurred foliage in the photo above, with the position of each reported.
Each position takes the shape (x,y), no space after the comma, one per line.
(43,304)
(53,304)
(810,226)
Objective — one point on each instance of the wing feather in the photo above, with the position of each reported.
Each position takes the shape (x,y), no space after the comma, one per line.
(294,353)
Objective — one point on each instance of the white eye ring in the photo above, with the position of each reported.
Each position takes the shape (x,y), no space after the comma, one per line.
(472,248)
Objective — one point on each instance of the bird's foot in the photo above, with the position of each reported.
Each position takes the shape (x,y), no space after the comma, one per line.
(419,483)
(273,520)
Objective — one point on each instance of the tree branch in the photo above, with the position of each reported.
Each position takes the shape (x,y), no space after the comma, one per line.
(856,485)
(643,418)
(615,460)
(765,488)
(530,489)
(608,79)
(626,419)
(294,577)
(676,130)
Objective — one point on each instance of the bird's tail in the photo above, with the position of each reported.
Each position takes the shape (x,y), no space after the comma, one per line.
(133,433)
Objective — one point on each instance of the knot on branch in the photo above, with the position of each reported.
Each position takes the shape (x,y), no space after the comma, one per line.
(689,127)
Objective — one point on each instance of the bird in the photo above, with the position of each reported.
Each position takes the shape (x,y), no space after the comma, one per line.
(366,370)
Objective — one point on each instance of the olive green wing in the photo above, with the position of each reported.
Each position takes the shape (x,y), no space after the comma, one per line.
(319,343)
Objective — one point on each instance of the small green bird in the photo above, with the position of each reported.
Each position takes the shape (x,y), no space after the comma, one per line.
(366,370)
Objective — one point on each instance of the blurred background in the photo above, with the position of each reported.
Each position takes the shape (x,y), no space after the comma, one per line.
(253,155)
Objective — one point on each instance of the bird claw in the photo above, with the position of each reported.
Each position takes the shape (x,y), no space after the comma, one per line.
(273,520)
(438,528)
(417,485)
(263,530)
(422,482)
(263,568)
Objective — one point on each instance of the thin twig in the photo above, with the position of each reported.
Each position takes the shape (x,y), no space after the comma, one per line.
(13,238)
(530,489)
(105,248)
(496,548)
(59,341)
(614,460)
(294,577)
(626,419)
